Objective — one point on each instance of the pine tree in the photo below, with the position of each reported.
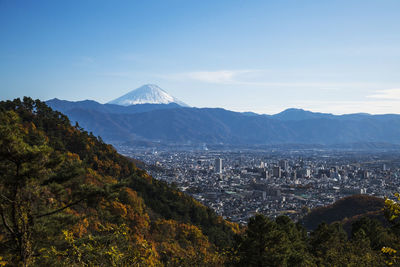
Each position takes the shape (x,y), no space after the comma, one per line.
(27,167)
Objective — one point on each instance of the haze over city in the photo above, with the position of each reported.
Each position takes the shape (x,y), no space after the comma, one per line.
(261,56)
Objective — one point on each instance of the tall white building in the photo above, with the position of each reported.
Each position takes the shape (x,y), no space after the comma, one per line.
(218,165)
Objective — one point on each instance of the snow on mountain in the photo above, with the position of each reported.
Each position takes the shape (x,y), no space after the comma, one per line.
(146,94)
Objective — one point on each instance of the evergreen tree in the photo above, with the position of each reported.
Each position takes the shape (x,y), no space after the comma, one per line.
(28,169)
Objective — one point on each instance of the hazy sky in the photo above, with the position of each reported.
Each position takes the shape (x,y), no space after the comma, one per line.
(261,56)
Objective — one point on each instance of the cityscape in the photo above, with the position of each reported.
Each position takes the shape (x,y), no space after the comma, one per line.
(200,133)
(240,184)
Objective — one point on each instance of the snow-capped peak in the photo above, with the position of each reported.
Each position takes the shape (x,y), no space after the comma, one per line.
(146,94)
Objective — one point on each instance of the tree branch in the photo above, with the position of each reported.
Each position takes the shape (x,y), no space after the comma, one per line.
(58,210)
(4,221)
(6,198)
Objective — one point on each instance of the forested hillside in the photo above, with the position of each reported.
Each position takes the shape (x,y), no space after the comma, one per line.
(345,209)
(69,199)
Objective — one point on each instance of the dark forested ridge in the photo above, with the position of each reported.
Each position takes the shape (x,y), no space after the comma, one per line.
(69,199)
(344,209)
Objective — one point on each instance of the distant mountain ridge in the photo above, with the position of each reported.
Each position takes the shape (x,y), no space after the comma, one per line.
(64,106)
(174,124)
(296,114)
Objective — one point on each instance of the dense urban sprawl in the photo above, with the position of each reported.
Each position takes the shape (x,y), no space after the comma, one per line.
(238,184)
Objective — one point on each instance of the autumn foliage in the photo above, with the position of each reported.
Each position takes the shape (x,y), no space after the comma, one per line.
(70,199)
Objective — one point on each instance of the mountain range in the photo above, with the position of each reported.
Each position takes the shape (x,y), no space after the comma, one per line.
(176,123)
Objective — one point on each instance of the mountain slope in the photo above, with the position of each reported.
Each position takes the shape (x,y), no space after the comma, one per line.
(344,209)
(146,94)
(77,201)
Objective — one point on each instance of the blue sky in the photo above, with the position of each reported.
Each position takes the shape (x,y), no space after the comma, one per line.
(261,56)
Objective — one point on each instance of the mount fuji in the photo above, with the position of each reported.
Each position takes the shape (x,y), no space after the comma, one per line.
(147,94)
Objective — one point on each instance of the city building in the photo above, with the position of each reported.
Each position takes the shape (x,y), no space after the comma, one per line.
(218,165)
(277,172)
